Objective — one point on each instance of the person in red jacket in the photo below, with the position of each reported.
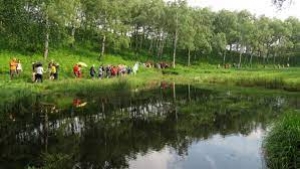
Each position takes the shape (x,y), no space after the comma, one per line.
(114,71)
(77,71)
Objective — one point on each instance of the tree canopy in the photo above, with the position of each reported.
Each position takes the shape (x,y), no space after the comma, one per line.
(153,27)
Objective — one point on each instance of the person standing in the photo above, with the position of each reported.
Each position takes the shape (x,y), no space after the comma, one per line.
(52,72)
(39,74)
(56,73)
(33,71)
(19,67)
(13,68)
(76,71)
(92,71)
(50,67)
(100,72)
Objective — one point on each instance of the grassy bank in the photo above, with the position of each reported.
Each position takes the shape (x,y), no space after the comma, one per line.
(282,144)
(269,77)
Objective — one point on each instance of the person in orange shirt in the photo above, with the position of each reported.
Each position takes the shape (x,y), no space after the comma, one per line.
(13,68)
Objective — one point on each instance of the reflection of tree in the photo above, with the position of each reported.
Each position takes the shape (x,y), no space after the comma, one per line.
(111,130)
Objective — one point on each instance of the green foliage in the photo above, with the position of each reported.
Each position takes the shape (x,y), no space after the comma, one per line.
(281,145)
(153,27)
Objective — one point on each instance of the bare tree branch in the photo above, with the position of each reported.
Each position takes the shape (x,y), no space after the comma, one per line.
(280,3)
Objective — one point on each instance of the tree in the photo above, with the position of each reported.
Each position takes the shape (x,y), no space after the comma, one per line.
(176,15)
(203,24)
(245,21)
(148,23)
(265,37)
(293,25)
(54,13)
(253,39)
(219,44)
(187,33)
(109,18)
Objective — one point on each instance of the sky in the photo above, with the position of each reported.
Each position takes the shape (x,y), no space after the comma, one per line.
(257,7)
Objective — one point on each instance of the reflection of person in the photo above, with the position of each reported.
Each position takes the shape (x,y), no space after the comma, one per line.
(12,117)
(78,103)
(13,68)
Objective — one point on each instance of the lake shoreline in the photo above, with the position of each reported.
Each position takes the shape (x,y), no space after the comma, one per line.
(285,80)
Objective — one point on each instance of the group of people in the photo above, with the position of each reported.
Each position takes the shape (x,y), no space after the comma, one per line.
(53,69)
(38,71)
(102,71)
(15,68)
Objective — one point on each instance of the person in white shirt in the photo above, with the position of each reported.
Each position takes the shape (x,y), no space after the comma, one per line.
(19,67)
(39,74)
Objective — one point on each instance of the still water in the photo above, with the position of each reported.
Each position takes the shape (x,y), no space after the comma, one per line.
(167,127)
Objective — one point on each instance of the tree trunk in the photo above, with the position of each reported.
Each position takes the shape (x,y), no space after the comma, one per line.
(73,36)
(189,93)
(46,50)
(268,57)
(142,39)
(136,39)
(161,48)
(240,58)
(189,57)
(158,47)
(150,47)
(174,100)
(251,57)
(175,48)
(224,57)
(174,91)
(103,46)
(45,129)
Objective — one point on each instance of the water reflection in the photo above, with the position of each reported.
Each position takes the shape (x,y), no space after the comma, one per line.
(234,151)
(167,127)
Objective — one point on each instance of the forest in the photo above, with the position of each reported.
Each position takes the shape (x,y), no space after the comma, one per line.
(157,28)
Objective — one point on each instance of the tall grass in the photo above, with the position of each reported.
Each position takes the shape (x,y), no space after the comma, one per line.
(282,143)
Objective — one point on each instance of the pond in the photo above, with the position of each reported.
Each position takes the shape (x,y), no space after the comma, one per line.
(165,127)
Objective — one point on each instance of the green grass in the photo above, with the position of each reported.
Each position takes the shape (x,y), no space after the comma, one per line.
(201,73)
(282,144)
